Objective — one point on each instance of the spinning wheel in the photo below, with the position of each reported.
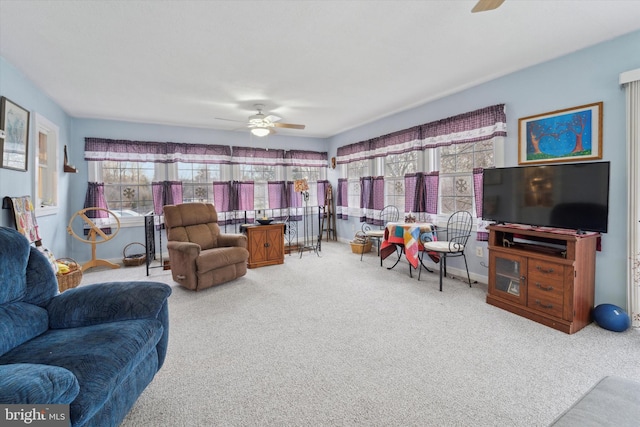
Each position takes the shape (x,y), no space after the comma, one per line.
(94,233)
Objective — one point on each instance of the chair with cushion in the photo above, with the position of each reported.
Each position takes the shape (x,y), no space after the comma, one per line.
(200,255)
(94,348)
(388,214)
(457,234)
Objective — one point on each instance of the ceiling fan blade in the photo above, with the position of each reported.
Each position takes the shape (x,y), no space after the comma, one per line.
(288,125)
(271,118)
(485,5)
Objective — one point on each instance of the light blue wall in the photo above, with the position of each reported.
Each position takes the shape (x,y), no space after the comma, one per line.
(584,77)
(19,89)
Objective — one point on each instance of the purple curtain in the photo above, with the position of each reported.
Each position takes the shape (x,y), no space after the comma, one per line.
(371,199)
(431,182)
(322,192)
(366,199)
(295,202)
(478,175)
(353,152)
(165,193)
(244,192)
(222,200)
(478,125)
(306,158)
(415,201)
(257,156)
(95,198)
(377,199)
(410,196)
(277,199)
(97,149)
(342,199)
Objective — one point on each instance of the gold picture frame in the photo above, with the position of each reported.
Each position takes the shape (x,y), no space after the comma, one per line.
(571,134)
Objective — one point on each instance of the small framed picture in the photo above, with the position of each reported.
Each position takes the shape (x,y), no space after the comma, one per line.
(14,120)
(514,288)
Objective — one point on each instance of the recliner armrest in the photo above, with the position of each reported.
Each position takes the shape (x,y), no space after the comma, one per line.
(191,250)
(107,302)
(26,383)
(232,240)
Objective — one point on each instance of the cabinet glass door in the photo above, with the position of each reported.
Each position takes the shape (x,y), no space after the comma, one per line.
(508,277)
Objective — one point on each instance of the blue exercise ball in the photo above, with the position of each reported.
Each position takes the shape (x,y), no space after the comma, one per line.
(611,317)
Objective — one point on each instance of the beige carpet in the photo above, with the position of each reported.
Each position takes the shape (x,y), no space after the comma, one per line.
(332,341)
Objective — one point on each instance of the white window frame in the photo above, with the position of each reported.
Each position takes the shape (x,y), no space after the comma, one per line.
(45,177)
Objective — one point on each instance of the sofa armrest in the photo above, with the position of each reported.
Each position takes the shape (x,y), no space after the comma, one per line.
(232,240)
(107,302)
(26,383)
(190,250)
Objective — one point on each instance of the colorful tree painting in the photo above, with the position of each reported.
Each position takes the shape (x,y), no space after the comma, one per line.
(573,133)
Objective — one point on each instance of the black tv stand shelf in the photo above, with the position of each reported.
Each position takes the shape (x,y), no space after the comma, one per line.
(543,274)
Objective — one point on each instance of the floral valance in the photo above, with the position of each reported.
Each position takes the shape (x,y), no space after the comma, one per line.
(474,126)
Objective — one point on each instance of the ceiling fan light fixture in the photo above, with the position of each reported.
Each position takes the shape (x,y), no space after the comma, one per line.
(260,131)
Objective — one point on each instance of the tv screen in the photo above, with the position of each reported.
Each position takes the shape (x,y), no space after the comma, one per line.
(573,196)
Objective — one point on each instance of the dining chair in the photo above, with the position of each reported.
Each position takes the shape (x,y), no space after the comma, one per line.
(388,214)
(457,234)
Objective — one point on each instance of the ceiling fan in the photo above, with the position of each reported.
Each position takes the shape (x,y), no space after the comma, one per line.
(263,125)
(485,5)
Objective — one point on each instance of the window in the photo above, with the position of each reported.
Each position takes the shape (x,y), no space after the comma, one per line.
(396,166)
(456,166)
(260,175)
(127,187)
(46,170)
(355,170)
(196,181)
(312,175)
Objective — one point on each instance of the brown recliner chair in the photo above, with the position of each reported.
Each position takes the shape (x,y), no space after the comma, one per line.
(200,255)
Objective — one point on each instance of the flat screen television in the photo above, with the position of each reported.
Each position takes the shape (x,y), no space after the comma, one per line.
(573,196)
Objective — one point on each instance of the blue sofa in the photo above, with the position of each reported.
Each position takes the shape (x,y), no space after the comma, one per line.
(94,347)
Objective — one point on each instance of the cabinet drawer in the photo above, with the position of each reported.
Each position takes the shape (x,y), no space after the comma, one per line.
(545,271)
(546,297)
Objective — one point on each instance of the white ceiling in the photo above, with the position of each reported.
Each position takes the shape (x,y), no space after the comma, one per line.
(332,65)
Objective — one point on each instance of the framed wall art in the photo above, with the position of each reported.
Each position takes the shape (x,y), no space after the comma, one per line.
(572,134)
(14,120)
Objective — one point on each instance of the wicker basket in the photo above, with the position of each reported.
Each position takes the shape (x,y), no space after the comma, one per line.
(72,278)
(361,243)
(361,248)
(134,259)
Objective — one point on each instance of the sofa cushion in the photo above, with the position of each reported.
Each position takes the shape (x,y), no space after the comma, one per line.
(19,322)
(14,254)
(100,357)
(212,259)
(22,383)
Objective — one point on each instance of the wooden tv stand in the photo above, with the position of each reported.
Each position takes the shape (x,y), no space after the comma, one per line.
(543,274)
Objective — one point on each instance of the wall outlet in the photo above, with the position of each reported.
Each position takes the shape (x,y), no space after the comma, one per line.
(479,251)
